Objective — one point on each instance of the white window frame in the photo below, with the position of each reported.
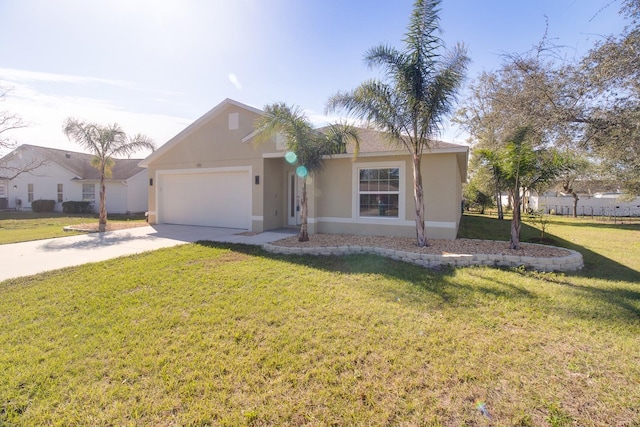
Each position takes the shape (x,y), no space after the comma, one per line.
(60,193)
(84,199)
(30,192)
(357,167)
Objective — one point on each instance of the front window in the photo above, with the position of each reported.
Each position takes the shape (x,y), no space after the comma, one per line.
(60,195)
(88,192)
(30,193)
(379,192)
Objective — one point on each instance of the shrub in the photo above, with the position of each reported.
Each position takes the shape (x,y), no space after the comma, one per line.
(43,205)
(77,207)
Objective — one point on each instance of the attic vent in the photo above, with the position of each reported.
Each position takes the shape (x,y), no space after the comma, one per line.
(68,156)
(233,121)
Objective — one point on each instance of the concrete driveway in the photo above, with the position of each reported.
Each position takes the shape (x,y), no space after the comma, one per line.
(27,258)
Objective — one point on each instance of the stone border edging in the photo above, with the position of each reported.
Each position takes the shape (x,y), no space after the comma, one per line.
(571,262)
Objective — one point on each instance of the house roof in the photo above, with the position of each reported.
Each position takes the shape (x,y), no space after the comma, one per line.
(374,141)
(205,118)
(80,163)
(371,141)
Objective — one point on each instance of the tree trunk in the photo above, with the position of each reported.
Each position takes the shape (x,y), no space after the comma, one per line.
(304,234)
(567,189)
(102,223)
(418,197)
(515,221)
(499,203)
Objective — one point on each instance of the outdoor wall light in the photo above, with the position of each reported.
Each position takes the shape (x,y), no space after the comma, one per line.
(15,187)
(150,182)
(257,179)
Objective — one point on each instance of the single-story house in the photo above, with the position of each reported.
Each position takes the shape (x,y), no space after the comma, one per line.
(214,174)
(596,204)
(61,175)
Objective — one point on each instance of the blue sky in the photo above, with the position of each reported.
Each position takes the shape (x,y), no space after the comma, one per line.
(154,66)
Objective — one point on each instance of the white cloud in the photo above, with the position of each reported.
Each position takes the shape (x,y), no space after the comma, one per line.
(14,75)
(234,81)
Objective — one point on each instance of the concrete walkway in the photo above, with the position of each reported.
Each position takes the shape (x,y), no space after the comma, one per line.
(27,258)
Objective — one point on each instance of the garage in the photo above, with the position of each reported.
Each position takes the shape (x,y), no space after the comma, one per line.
(207,198)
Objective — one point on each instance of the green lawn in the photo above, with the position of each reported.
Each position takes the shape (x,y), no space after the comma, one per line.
(212,334)
(22,226)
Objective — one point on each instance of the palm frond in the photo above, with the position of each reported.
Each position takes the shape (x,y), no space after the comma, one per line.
(340,135)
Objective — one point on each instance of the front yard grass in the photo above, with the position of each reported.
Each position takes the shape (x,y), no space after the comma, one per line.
(215,334)
(23,226)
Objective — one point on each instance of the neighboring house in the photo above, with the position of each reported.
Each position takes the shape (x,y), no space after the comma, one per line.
(596,204)
(213,174)
(62,176)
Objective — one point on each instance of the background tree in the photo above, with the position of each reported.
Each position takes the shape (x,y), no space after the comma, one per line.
(486,163)
(477,194)
(610,78)
(309,146)
(11,122)
(8,122)
(577,167)
(105,143)
(589,105)
(418,93)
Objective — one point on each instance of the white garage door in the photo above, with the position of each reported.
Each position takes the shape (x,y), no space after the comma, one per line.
(210,199)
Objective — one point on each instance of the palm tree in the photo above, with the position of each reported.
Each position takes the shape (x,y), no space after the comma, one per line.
(308,145)
(419,91)
(105,142)
(525,168)
(340,135)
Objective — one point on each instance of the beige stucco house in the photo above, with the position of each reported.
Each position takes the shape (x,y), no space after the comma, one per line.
(214,174)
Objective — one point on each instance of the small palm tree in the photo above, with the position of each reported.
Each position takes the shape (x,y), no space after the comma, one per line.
(524,168)
(308,145)
(419,92)
(339,136)
(105,142)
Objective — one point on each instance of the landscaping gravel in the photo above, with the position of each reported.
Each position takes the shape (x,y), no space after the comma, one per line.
(458,246)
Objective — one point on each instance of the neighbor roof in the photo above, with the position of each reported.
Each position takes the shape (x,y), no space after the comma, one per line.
(80,163)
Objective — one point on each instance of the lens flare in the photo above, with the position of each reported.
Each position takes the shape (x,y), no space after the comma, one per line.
(301,171)
(291,157)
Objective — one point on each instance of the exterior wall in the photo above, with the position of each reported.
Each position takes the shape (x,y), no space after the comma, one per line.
(336,197)
(45,180)
(274,194)
(213,145)
(137,193)
(442,190)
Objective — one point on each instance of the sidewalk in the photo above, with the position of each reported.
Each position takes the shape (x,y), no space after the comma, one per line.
(27,258)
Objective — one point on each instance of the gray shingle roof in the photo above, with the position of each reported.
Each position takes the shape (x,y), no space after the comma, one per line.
(373,141)
(80,163)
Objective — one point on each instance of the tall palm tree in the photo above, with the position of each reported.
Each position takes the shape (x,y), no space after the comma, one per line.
(418,93)
(308,145)
(105,142)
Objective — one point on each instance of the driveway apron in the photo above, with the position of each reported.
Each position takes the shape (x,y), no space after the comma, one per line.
(27,258)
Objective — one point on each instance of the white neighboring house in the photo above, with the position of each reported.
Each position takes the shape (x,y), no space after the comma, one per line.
(598,204)
(62,176)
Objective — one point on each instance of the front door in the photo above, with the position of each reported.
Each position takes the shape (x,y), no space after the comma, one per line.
(293,199)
